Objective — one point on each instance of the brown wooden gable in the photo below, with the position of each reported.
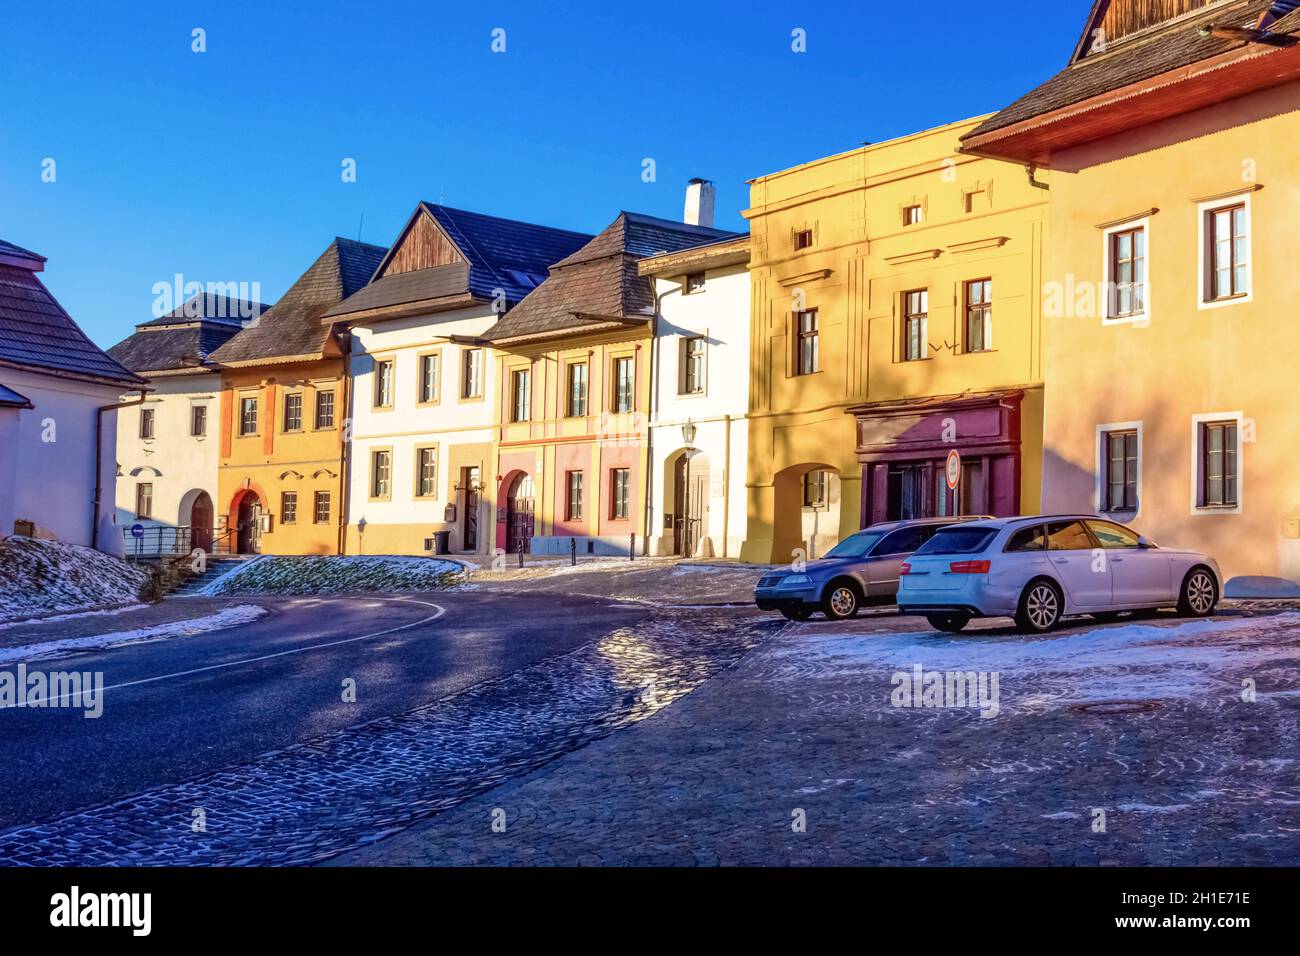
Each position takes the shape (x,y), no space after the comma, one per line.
(1113,20)
(422,245)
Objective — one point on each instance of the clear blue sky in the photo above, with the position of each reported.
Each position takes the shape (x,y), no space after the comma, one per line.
(225,165)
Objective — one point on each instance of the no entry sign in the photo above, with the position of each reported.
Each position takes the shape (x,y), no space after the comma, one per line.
(953,468)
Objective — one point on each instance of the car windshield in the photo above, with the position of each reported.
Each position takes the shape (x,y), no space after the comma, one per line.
(855,546)
(958,541)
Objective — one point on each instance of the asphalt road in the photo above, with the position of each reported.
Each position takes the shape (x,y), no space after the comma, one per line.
(178,708)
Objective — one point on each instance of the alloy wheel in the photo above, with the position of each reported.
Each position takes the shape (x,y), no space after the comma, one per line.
(843,601)
(1200,593)
(1042,606)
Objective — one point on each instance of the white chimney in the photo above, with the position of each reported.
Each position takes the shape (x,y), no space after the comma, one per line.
(699,203)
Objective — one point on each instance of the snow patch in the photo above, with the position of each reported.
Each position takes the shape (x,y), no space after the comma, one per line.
(225,618)
(40,577)
(276,574)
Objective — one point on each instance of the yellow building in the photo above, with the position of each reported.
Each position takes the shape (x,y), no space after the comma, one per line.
(895,319)
(282,471)
(1171,286)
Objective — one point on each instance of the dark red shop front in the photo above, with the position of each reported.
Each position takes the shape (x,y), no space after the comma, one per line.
(904,448)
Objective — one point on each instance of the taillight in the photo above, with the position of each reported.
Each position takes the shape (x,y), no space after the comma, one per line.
(905,569)
(970,567)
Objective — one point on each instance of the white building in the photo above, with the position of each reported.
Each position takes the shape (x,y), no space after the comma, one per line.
(423,383)
(167,447)
(696,494)
(58,414)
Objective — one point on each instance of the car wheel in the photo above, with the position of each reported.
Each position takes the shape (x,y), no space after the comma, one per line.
(796,614)
(842,600)
(1040,607)
(952,623)
(1200,594)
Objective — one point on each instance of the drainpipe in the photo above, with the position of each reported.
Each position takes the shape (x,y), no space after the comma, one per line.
(654,409)
(726,490)
(345,460)
(99,458)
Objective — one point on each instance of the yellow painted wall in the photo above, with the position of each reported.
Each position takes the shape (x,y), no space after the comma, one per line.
(304,461)
(1183,360)
(981,219)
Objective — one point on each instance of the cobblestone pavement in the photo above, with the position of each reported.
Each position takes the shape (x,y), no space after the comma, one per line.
(308,802)
(1143,721)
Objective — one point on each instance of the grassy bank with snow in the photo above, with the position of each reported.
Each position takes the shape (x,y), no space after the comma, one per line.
(39,578)
(339,575)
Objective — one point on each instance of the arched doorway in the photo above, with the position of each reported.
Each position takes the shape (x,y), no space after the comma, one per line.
(198,519)
(520,500)
(690,504)
(246,510)
(807,510)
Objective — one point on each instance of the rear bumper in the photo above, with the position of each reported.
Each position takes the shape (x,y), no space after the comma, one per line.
(975,597)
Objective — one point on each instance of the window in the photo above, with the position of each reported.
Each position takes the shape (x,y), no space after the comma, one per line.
(916,313)
(1219,465)
(430,379)
(1112,536)
(144,500)
(913,215)
(293,412)
(471,385)
(248,416)
(807,354)
(1028,539)
(693,365)
(573,496)
(289,507)
(198,420)
(971,199)
(146,422)
(803,239)
(1227,252)
(694,283)
(1068,536)
(381,473)
(956,540)
(322,507)
(1127,279)
(522,392)
(905,540)
(814,489)
(1120,470)
(384,374)
(325,409)
(576,404)
(620,483)
(426,472)
(979,315)
(624,384)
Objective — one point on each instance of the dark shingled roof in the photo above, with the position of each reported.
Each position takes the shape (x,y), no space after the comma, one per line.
(36,332)
(436,282)
(296,327)
(11,399)
(18,252)
(599,282)
(185,337)
(1135,58)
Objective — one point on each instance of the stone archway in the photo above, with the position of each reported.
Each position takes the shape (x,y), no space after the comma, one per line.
(806,512)
(686,498)
(196,513)
(520,500)
(246,509)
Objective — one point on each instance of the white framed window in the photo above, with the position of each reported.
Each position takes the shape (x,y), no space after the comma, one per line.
(1224,271)
(1118,474)
(1126,267)
(1217,463)
(691,362)
(385,374)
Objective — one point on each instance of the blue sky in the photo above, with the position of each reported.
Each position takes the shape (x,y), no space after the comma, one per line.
(225,165)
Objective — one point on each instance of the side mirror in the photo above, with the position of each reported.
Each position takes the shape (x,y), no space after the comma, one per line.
(1144,542)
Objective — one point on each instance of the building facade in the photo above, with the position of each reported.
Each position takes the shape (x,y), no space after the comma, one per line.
(1171,391)
(167,447)
(424,380)
(895,320)
(284,399)
(699,436)
(59,398)
(573,395)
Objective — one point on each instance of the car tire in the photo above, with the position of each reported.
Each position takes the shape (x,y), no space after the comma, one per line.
(1199,595)
(843,600)
(796,614)
(1040,607)
(951,623)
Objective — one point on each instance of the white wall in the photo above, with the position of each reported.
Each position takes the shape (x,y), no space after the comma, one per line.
(449,423)
(720,313)
(174,461)
(52,456)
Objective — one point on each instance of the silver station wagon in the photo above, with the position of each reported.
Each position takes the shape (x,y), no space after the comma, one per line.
(1039,569)
(861,569)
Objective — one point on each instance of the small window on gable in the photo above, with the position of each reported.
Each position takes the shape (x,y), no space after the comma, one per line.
(694,283)
(913,215)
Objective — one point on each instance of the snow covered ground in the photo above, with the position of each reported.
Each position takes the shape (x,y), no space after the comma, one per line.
(39,578)
(220,620)
(338,575)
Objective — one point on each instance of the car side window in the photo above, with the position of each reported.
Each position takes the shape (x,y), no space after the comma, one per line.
(1068,536)
(1112,535)
(902,541)
(1028,539)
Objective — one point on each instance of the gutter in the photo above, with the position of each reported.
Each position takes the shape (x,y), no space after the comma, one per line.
(345,460)
(654,409)
(99,457)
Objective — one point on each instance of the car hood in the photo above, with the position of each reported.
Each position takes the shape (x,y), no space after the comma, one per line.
(826,566)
